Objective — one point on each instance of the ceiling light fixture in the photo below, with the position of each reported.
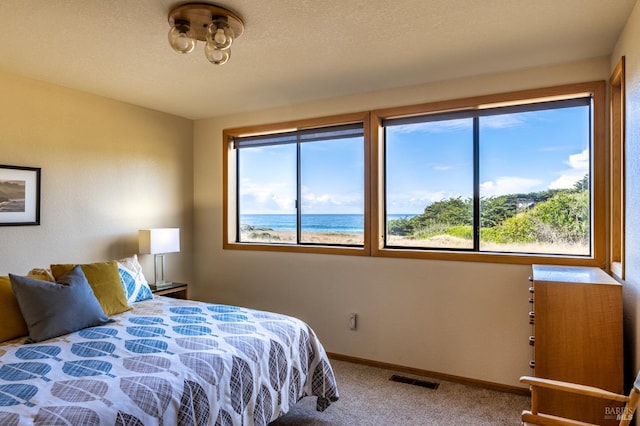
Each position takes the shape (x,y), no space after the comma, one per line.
(214,25)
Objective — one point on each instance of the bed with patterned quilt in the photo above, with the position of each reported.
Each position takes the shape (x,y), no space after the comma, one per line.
(167,362)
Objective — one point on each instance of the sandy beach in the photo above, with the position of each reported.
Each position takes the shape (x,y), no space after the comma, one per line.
(435,242)
(289,237)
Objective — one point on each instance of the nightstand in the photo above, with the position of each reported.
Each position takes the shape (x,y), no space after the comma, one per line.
(175,290)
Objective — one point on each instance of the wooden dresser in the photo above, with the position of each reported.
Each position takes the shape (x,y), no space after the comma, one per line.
(576,322)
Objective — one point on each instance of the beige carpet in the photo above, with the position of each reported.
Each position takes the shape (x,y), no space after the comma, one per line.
(368,398)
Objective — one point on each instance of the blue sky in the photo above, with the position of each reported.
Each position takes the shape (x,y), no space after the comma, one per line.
(427,162)
(332,178)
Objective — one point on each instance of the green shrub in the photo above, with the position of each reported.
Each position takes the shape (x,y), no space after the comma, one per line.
(554,216)
(461,231)
(401,226)
(263,236)
(563,218)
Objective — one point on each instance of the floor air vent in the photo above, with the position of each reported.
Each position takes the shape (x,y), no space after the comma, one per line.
(415,382)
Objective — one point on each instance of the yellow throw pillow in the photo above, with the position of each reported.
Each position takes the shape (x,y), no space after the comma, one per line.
(104,279)
(12,323)
(41,274)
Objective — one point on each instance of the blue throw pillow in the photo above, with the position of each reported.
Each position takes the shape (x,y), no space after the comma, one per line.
(54,309)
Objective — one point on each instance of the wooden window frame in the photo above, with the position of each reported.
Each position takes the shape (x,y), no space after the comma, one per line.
(598,152)
(229,216)
(374,185)
(617,170)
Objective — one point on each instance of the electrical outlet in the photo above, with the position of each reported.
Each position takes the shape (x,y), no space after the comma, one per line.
(353,321)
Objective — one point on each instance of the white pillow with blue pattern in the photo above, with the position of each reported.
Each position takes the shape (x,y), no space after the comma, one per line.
(135,285)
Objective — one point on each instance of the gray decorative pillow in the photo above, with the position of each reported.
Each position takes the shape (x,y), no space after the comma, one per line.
(53,309)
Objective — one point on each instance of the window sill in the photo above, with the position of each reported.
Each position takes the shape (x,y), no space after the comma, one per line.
(617,271)
(316,249)
(507,258)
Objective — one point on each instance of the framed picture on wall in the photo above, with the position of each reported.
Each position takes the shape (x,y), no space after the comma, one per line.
(19,196)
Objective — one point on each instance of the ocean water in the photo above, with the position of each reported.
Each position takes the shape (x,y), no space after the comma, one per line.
(344,223)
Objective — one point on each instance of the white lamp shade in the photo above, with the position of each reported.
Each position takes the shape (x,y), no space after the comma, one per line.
(159,240)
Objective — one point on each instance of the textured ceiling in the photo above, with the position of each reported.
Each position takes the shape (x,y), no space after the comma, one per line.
(295,51)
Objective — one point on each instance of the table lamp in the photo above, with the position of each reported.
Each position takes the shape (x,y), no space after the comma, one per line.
(159,241)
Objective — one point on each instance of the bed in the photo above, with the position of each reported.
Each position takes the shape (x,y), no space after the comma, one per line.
(167,362)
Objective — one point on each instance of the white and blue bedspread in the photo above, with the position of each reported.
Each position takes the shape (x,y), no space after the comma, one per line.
(167,362)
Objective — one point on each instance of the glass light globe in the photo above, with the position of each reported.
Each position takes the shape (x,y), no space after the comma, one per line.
(220,35)
(216,56)
(220,38)
(182,38)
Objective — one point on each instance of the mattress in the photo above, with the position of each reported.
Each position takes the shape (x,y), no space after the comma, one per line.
(166,362)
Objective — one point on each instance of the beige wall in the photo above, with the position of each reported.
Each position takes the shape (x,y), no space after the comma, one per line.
(108,169)
(629,46)
(463,319)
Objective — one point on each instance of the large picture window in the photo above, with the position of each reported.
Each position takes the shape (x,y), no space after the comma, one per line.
(516,177)
(506,179)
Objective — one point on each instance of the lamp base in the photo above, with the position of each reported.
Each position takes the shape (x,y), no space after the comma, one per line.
(160,283)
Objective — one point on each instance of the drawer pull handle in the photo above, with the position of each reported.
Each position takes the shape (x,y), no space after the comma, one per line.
(532,340)
(531,300)
(531,290)
(532,364)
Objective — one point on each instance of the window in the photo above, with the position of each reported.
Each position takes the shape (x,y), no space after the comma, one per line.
(429,161)
(504,177)
(301,187)
(512,178)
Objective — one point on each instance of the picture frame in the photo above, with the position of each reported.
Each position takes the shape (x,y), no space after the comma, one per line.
(19,195)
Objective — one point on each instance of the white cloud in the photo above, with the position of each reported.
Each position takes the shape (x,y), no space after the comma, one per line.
(279,198)
(343,203)
(266,197)
(578,168)
(579,161)
(502,121)
(491,122)
(508,185)
(432,126)
(443,168)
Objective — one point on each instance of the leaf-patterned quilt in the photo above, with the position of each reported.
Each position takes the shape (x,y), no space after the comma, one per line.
(167,362)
